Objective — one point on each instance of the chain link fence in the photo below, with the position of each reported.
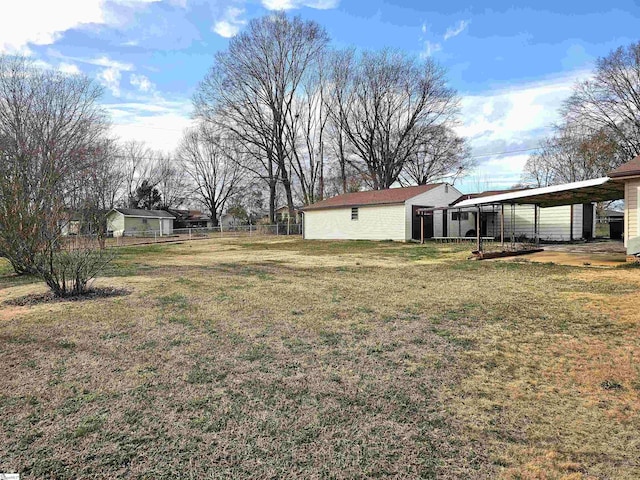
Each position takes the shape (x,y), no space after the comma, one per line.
(188,234)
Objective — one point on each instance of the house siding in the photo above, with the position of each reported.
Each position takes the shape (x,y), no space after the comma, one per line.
(631,193)
(137,224)
(375,222)
(115,223)
(554,222)
(440,196)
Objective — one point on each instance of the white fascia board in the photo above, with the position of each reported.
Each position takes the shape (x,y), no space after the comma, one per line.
(532,192)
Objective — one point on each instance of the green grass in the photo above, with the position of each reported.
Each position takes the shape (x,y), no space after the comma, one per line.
(291,359)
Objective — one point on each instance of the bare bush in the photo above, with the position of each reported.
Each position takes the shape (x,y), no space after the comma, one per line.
(71,265)
(51,129)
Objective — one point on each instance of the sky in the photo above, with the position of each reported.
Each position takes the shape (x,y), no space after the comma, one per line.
(512,65)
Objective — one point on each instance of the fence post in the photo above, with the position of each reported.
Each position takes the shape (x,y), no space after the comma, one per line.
(189,233)
(288,226)
(155,237)
(277,229)
(249,229)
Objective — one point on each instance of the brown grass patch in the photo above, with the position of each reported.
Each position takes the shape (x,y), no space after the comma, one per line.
(238,359)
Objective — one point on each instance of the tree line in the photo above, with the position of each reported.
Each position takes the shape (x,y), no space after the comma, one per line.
(599,126)
(306,121)
(280,116)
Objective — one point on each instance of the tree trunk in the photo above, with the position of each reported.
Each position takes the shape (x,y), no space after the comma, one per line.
(272,201)
(287,190)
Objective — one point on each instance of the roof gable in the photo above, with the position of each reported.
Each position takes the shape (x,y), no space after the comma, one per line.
(628,169)
(373,197)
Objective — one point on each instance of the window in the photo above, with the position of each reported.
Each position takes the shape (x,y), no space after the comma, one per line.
(455,216)
(354,213)
(144,221)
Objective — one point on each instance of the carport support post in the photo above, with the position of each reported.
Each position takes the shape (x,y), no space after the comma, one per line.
(536,218)
(571,224)
(421,228)
(478,239)
(502,224)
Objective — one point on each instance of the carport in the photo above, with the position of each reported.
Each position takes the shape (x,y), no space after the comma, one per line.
(583,192)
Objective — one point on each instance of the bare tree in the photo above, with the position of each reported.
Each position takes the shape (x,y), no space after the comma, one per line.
(442,154)
(572,154)
(609,102)
(99,189)
(385,102)
(172,181)
(139,165)
(207,158)
(50,125)
(308,128)
(252,87)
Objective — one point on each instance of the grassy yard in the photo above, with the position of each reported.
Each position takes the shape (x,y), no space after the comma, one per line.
(281,358)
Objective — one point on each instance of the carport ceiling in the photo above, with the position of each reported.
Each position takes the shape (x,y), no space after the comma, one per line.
(595,190)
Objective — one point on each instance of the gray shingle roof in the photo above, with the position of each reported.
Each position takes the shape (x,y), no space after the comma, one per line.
(138,212)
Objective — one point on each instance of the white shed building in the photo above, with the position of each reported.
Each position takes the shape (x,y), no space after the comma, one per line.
(389,214)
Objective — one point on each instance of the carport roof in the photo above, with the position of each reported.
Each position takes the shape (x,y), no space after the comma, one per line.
(594,190)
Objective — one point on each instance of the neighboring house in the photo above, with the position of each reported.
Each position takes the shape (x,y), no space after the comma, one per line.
(190,219)
(629,173)
(70,225)
(611,223)
(228,220)
(389,214)
(125,221)
(282,215)
(608,216)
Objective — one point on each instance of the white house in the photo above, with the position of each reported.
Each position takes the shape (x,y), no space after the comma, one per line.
(135,221)
(629,174)
(380,214)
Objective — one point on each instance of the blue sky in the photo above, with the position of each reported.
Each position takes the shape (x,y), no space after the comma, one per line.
(512,65)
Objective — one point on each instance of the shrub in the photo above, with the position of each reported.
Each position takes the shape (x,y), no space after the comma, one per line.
(68,270)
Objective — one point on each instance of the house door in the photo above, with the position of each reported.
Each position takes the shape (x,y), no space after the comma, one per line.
(416,223)
(165,227)
(587,221)
(445,223)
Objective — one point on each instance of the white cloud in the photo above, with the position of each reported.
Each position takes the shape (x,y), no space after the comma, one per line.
(457,30)
(160,124)
(107,62)
(110,79)
(111,75)
(141,82)
(70,68)
(504,113)
(424,28)
(292,4)
(430,48)
(230,23)
(40,22)
(511,119)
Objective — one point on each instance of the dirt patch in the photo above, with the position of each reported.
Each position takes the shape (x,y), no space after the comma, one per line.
(575,259)
(606,376)
(48,297)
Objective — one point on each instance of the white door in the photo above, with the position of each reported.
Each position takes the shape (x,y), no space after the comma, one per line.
(165,226)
